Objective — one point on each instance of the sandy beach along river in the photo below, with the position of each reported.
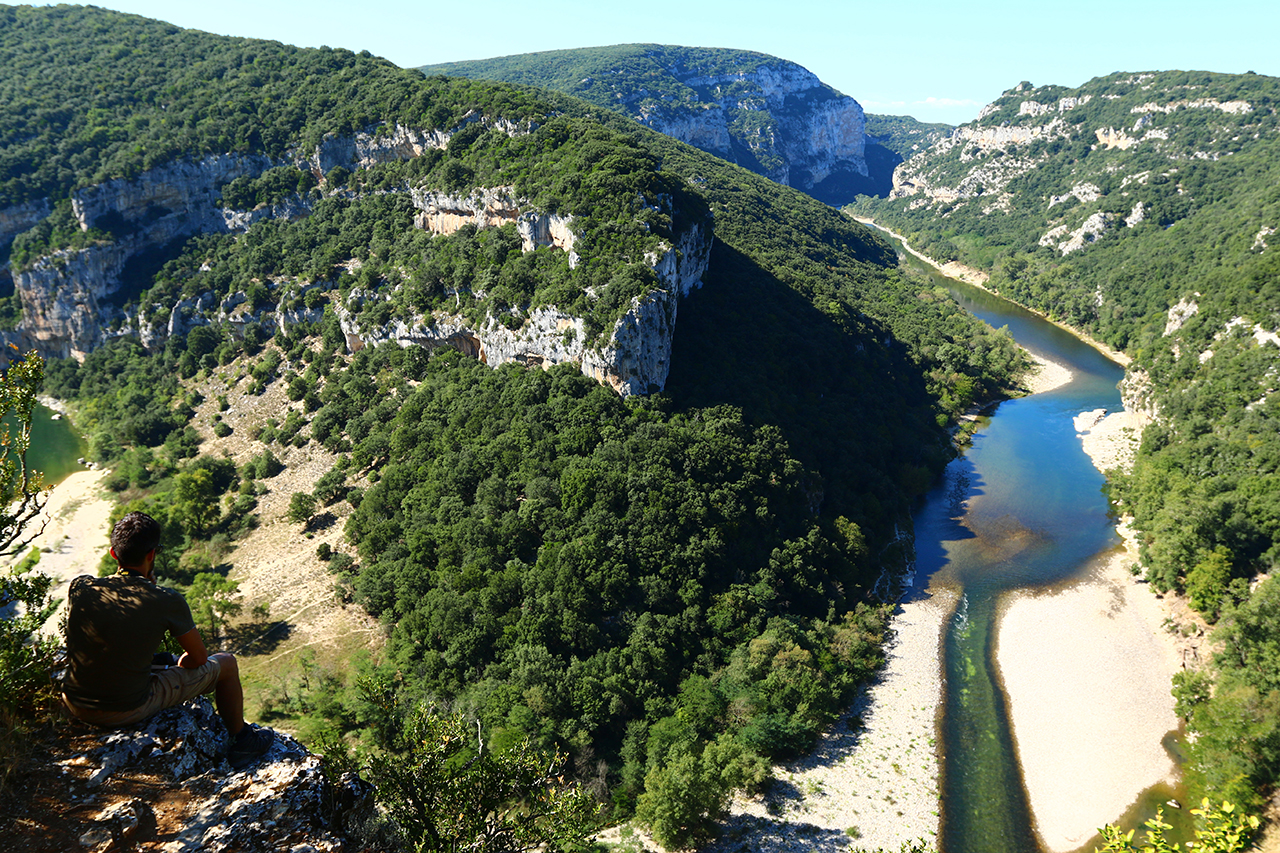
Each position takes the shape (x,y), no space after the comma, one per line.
(1087,670)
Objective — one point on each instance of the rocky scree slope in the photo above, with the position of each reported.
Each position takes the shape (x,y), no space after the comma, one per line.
(766,114)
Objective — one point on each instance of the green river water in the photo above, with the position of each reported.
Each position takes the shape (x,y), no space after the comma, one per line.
(55,446)
(1023,507)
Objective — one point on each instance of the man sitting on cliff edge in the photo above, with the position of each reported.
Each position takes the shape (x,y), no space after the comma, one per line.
(116,624)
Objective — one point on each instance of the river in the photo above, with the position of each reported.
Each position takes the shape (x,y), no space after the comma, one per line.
(55,446)
(1022,508)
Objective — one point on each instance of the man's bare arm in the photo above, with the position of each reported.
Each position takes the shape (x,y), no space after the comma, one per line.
(193,653)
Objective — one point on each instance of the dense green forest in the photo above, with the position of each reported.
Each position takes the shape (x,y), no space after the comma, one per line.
(1171,184)
(673,589)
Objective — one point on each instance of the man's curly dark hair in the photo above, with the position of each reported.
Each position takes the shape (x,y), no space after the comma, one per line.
(133,536)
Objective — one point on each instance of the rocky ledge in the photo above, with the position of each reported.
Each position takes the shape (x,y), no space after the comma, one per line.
(165,786)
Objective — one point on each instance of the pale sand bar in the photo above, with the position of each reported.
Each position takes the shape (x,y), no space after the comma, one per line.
(1087,671)
(76,533)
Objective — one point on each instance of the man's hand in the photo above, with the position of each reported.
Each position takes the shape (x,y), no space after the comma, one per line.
(193,652)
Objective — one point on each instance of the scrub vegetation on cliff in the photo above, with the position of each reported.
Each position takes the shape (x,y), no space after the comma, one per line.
(1141,208)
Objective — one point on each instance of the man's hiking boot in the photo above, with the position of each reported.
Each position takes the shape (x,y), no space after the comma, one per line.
(250,745)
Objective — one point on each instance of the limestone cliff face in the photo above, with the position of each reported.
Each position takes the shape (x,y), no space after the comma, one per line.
(173,200)
(777,119)
(68,297)
(443,213)
(637,355)
(369,149)
(66,301)
(18,218)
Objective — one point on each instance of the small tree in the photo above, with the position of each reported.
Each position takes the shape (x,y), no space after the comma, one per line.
(25,656)
(302,505)
(1207,582)
(22,491)
(212,601)
(447,792)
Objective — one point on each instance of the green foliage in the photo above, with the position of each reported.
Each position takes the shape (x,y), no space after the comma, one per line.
(1235,753)
(682,578)
(656,82)
(302,505)
(90,95)
(903,135)
(448,791)
(272,186)
(533,541)
(60,230)
(211,597)
(1219,829)
(669,85)
(22,493)
(1207,582)
(1204,490)
(687,793)
(26,656)
(1205,188)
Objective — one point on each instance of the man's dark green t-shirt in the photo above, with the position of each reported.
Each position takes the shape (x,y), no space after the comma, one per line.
(114,627)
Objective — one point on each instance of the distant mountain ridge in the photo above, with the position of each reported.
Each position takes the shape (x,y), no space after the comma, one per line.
(766,114)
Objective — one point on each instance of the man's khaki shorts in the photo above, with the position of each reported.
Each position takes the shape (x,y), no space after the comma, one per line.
(169,686)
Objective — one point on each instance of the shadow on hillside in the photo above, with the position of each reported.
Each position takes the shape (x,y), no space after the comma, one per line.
(321,521)
(845,395)
(258,637)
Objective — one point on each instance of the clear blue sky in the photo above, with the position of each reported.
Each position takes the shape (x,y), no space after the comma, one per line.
(937,60)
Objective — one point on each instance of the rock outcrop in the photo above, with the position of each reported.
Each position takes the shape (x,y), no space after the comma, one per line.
(805,130)
(282,802)
(70,298)
(636,355)
(18,218)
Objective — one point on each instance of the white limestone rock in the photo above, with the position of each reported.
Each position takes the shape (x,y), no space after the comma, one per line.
(19,217)
(1179,314)
(634,360)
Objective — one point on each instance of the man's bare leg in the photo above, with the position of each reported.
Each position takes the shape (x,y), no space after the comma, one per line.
(228,694)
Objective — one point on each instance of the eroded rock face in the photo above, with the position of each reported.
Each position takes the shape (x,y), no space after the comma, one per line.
(637,357)
(369,149)
(18,218)
(281,802)
(66,300)
(66,297)
(443,213)
(805,129)
(176,199)
(69,297)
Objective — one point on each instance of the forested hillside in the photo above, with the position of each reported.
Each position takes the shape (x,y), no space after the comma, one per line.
(1142,209)
(673,586)
(764,113)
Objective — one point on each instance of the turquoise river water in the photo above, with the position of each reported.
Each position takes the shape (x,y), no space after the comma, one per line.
(1023,507)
